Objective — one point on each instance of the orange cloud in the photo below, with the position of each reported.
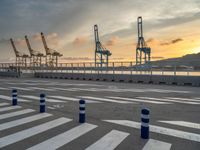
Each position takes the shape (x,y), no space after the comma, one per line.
(79,41)
(172,42)
(21,42)
(112,41)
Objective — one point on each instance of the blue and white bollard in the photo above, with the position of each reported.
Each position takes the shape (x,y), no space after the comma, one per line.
(145,123)
(42,103)
(14,97)
(81,111)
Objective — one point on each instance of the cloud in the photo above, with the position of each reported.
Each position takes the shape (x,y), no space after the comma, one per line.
(79,41)
(111,42)
(172,42)
(20,42)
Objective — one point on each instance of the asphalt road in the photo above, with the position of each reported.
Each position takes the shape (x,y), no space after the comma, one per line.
(113,114)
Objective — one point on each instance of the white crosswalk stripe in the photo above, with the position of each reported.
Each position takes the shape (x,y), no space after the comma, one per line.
(138,100)
(160,130)
(18,122)
(38,98)
(156,145)
(9,108)
(63,89)
(183,99)
(10,98)
(169,100)
(21,135)
(183,123)
(106,99)
(64,138)
(110,141)
(42,89)
(1,88)
(16,113)
(23,89)
(4,104)
(71,99)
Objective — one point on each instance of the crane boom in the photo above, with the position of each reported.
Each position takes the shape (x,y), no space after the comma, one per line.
(29,46)
(14,47)
(45,44)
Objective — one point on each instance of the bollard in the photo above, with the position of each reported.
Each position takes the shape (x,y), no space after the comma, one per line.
(81,111)
(42,103)
(14,97)
(145,123)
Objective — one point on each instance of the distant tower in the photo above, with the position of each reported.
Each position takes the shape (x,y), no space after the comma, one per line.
(101,53)
(143,52)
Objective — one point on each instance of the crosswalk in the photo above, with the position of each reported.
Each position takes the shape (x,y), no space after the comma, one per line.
(106,99)
(106,141)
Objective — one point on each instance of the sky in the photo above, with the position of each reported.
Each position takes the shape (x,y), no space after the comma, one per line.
(171,28)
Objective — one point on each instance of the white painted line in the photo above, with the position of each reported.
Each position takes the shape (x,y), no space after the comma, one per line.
(156,145)
(160,130)
(182,123)
(20,88)
(167,91)
(169,100)
(9,108)
(16,113)
(21,135)
(64,89)
(138,100)
(51,107)
(18,122)
(110,141)
(105,99)
(64,138)
(10,98)
(4,104)
(38,98)
(42,89)
(3,88)
(84,89)
(183,99)
(72,99)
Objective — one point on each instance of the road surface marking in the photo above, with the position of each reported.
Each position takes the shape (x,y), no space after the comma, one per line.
(156,145)
(10,98)
(64,138)
(3,88)
(110,141)
(169,100)
(21,135)
(160,130)
(138,100)
(9,108)
(72,99)
(20,88)
(4,104)
(63,89)
(105,99)
(183,99)
(16,113)
(182,123)
(38,98)
(18,122)
(42,89)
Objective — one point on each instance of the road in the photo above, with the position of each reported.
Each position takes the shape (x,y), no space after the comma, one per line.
(113,114)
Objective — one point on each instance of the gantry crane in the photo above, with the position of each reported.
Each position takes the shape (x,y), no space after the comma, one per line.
(51,55)
(101,53)
(143,52)
(36,57)
(21,59)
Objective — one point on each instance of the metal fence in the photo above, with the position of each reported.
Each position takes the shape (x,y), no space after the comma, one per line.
(175,68)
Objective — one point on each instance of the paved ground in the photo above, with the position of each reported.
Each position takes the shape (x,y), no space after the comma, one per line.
(113,116)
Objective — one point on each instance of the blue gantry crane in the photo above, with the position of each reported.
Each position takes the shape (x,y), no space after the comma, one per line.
(101,53)
(143,52)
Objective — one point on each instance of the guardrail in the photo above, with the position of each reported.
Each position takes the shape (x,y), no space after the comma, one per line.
(175,68)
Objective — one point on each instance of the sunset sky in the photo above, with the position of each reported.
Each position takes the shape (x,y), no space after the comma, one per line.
(171,28)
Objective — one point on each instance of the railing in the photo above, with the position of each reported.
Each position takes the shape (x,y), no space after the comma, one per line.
(154,68)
